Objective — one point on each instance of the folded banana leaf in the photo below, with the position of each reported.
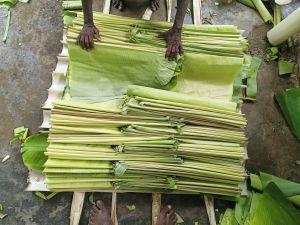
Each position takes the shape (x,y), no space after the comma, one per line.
(272,208)
(290,189)
(208,75)
(289,103)
(269,208)
(106,71)
(33,150)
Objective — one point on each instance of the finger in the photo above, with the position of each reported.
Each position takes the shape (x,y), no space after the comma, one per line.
(100,204)
(180,50)
(86,42)
(175,52)
(172,216)
(168,52)
(82,42)
(172,54)
(95,208)
(161,35)
(91,42)
(97,34)
(165,210)
(174,221)
(78,40)
(91,221)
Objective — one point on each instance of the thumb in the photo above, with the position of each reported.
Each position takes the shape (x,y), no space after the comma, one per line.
(161,35)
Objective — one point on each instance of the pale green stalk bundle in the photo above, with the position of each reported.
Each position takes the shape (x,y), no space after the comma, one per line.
(69,5)
(152,93)
(96,147)
(285,29)
(263,11)
(120,31)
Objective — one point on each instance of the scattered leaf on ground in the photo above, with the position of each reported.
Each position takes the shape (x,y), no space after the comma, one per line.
(130,207)
(298,162)
(1,207)
(2,216)
(179,219)
(285,67)
(41,195)
(6,158)
(272,53)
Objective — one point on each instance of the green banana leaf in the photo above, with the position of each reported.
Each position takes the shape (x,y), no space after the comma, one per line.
(285,67)
(228,218)
(106,71)
(33,150)
(289,102)
(251,77)
(272,208)
(242,208)
(290,189)
(208,75)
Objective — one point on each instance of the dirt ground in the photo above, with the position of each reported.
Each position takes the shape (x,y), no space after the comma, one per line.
(26,63)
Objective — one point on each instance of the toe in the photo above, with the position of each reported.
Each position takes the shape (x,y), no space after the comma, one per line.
(100,205)
(166,209)
(95,208)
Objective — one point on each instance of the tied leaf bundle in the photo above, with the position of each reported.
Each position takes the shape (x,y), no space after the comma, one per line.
(159,141)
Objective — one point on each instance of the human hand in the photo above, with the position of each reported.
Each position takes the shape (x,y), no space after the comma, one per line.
(174,45)
(86,37)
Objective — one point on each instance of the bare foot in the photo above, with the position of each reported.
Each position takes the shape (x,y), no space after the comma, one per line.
(119,4)
(154,5)
(167,216)
(99,215)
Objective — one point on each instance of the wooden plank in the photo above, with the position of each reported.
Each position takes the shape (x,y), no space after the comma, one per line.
(156,204)
(114,217)
(210,209)
(169,10)
(197,12)
(147,14)
(76,208)
(106,6)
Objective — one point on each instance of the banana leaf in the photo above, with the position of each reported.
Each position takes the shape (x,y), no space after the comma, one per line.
(106,71)
(208,75)
(285,67)
(251,78)
(272,207)
(289,103)
(33,150)
(290,189)
(228,218)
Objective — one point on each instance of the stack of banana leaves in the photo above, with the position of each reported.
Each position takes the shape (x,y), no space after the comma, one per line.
(130,52)
(157,141)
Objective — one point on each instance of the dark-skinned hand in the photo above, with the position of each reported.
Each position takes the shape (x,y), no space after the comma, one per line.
(86,37)
(174,46)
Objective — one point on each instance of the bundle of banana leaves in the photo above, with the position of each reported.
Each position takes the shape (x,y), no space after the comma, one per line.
(158,141)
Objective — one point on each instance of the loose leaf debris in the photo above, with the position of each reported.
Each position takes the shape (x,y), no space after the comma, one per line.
(130,207)
(45,197)
(9,4)
(6,158)
(179,219)
(285,67)
(92,199)
(2,216)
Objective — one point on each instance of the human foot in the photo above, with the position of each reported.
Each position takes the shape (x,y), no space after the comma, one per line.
(99,215)
(167,216)
(154,5)
(119,4)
